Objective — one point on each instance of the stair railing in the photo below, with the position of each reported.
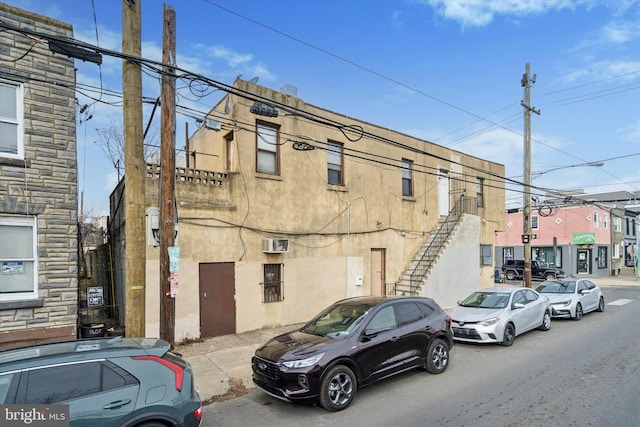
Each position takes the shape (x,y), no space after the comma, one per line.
(463,205)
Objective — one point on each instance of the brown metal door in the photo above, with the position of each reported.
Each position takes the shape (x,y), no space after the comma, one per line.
(217,299)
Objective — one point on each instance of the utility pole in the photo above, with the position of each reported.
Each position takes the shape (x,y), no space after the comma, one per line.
(134,173)
(168,208)
(526,231)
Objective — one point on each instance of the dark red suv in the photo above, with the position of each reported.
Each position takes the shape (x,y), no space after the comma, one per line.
(351,344)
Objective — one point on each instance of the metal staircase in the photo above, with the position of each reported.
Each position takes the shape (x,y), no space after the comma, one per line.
(413,277)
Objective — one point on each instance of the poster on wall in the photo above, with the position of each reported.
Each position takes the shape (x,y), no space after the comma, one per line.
(12,267)
(95,296)
(174,258)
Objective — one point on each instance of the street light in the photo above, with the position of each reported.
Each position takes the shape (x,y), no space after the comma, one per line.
(535,175)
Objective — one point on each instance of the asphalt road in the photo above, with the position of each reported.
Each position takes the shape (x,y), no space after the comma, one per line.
(576,374)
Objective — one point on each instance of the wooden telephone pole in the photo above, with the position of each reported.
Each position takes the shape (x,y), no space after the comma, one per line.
(168,177)
(134,173)
(526,231)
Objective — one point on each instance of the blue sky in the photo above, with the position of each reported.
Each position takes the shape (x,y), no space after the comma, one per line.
(447,71)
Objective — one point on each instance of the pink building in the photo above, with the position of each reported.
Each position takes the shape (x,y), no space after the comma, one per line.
(582,239)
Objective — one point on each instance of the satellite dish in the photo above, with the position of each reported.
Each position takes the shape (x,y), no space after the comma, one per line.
(254,80)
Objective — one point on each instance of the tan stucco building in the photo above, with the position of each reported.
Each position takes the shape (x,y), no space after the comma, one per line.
(281,215)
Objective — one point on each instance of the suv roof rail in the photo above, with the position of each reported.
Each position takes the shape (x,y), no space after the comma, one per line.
(76,346)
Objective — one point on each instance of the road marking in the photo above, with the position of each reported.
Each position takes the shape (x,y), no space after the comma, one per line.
(621,301)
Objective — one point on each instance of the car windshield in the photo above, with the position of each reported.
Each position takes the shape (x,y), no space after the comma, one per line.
(557,287)
(338,320)
(486,300)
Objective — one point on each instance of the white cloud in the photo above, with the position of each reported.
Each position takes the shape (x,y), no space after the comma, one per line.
(620,32)
(480,13)
(604,70)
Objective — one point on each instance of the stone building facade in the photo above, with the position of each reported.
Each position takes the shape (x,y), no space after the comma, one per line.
(38,184)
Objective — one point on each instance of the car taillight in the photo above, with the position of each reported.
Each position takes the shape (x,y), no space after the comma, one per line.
(177,370)
(198,413)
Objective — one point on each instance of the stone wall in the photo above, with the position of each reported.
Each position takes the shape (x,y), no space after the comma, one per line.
(44,183)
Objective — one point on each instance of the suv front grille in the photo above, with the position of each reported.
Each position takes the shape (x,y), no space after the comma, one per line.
(265,367)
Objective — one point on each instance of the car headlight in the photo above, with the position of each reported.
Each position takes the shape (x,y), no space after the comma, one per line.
(565,303)
(490,322)
(303,363)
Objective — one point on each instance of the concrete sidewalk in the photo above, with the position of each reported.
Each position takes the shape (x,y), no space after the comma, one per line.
(220,362)
(216,361)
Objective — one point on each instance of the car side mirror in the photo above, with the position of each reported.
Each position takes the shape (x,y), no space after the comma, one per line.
(368,334)
(517,305)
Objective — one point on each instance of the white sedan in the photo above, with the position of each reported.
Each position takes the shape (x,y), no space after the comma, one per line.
(572,297)
(498,315)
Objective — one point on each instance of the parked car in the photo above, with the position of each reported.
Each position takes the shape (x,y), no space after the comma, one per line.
(353,343)
(498,315)
(118,381)
(514,269)
(572,298)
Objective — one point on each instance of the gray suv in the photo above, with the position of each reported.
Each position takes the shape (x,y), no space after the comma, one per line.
(103,382)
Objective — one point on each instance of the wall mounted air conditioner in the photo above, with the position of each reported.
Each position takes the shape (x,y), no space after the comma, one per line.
(275,246)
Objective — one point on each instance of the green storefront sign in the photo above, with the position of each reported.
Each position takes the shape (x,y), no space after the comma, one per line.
(583,238)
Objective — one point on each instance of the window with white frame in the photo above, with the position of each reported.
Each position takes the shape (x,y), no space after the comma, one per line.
(617,224)
(11,120)
(18,262)
(267,149)
(616,251)
(534,222)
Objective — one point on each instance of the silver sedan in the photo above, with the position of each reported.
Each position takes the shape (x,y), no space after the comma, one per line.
(572,297)
(498,315)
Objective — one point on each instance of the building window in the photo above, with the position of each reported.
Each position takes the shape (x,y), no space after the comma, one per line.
(633,227)
(617,224)
(18,262)
(273,290)
(480,191)
(616,251)
(595,219)
(602,257)
(485,255)
(545,257)
(334,163)
(407,178)
(267,149)
(11,120)
(534,222)
(605,221)
(507,254)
